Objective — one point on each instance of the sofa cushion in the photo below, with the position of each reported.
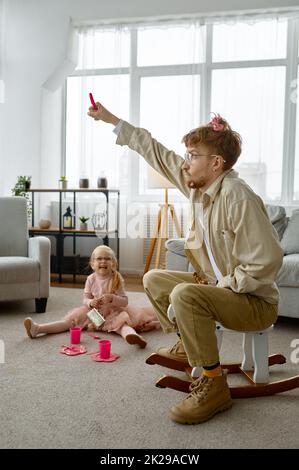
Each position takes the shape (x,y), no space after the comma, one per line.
(278,217)
(16,269)
(288,275)
(176,245)
(290,239)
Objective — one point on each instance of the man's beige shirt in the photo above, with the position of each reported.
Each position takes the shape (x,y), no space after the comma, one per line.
(243,241)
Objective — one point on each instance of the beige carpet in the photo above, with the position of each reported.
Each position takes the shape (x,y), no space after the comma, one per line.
(49,400)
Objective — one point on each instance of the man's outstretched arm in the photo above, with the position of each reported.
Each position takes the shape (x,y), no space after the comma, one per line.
(165,161)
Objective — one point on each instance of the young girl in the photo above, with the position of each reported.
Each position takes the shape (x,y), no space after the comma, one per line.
(104,290)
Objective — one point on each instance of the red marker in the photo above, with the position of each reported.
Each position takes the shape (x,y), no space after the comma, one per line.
(93,102)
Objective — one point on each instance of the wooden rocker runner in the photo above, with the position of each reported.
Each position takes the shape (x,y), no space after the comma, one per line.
(254,367)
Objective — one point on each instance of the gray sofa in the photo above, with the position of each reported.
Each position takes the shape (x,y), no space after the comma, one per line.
(288,276)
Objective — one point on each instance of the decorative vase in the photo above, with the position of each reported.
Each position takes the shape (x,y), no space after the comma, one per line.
(84,183)
(102,181)
(99,221)
(44,223)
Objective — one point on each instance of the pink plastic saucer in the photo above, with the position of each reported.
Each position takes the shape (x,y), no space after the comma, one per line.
(73,350)
(96,357)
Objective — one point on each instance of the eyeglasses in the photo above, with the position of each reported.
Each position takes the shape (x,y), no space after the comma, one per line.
(189,157)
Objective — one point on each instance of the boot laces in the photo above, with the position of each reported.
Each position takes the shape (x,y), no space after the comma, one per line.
(200,387)
(177,347)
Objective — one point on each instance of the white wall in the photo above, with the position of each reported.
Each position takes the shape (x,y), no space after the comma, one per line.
(34,38)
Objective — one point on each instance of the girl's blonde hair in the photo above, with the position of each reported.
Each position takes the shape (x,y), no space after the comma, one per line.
(117,282)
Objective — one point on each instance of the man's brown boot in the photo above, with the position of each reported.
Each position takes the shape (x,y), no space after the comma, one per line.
(176,352)
(208,396)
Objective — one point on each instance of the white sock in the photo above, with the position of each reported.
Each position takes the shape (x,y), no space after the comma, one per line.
(126,330)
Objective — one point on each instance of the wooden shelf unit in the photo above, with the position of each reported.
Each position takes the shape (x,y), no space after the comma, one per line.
(61,233)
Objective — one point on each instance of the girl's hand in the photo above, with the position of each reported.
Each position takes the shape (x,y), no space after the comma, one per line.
(106,299)
(94,303)
(90,327)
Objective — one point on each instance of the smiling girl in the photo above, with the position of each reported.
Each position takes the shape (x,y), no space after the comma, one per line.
(104,290)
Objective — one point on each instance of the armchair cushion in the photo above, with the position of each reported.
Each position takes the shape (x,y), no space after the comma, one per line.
(16,269)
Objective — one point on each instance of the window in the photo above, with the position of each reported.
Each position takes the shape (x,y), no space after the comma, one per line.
(181,44)
(250,41)
(90,149)
(178,97)
(251,114)
(168,78)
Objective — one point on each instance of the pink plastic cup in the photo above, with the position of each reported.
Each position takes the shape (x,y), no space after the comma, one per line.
(75,334)
(105,348)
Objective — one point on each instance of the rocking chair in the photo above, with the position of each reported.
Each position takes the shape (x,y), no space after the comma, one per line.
(254,366)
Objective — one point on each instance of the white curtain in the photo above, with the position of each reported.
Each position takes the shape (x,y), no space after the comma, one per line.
(90,146)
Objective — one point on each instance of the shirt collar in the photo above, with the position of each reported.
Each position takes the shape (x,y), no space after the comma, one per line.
(212,190)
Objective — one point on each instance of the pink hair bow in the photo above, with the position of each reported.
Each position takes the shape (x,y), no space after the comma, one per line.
(216,124)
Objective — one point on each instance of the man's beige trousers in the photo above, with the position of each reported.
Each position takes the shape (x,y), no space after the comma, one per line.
(198,306)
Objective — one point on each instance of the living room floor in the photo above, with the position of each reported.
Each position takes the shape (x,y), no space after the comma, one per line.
(50,400)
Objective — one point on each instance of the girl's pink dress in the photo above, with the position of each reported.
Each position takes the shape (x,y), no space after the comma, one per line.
(117,313)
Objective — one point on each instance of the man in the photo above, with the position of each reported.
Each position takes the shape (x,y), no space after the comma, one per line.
(232,246)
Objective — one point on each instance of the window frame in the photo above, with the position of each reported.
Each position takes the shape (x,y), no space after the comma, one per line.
(205,70)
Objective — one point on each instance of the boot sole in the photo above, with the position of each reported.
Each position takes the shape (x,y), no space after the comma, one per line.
(202,419)
(135,339)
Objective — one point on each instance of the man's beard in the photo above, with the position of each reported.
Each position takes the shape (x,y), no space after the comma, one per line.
(196,183)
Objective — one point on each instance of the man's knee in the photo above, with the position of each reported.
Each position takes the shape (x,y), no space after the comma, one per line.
(177,292)
(183,293)
(152,277)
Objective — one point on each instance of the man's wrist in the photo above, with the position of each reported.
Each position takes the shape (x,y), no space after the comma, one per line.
(114,120)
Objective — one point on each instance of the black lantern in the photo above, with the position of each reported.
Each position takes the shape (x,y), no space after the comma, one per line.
(68,219)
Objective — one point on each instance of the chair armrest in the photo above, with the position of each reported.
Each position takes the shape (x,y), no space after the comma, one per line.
(39,250)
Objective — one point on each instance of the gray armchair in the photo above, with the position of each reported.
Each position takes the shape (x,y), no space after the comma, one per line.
(24,261)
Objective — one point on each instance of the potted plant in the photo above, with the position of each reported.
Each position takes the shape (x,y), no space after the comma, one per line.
(62,182)
(22,185)
(21,189)
(83,222)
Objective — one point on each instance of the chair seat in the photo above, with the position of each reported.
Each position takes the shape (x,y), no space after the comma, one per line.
(223,328)
(17,269)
